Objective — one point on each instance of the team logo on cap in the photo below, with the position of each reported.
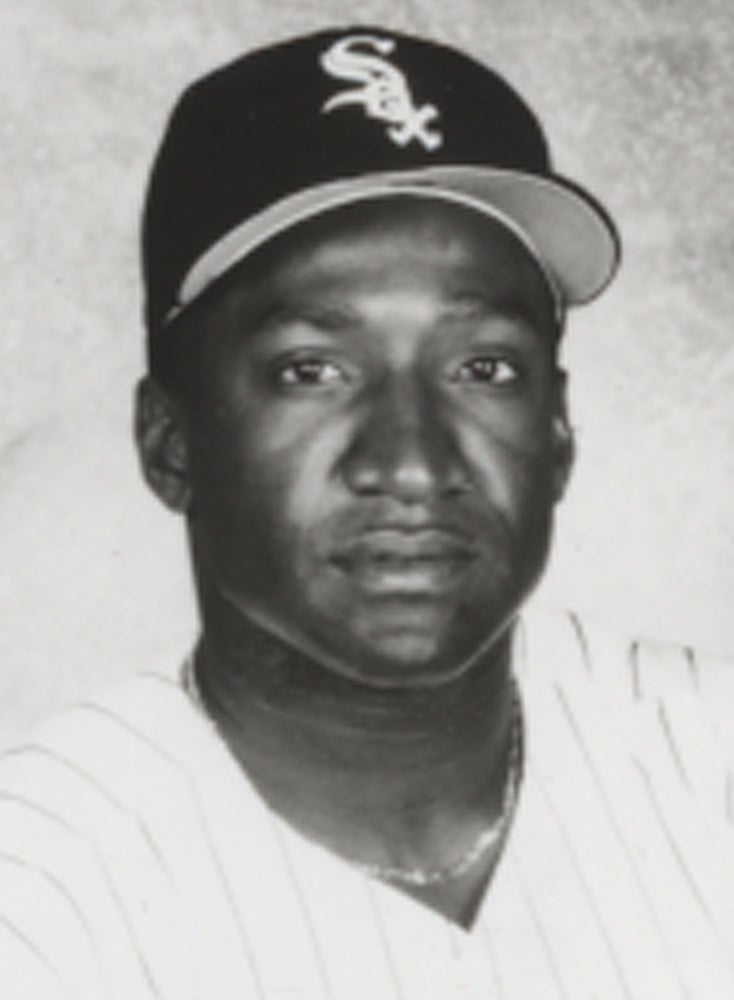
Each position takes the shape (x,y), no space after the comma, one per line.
(383,89)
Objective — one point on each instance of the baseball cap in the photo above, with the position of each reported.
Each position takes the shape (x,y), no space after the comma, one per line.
(287,132)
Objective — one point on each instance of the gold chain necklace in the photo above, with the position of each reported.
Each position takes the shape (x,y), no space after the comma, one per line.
(489,838)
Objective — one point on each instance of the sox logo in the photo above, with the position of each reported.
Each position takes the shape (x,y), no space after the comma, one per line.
(383,89)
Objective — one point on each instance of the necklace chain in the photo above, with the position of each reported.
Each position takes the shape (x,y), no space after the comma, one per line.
(489,838)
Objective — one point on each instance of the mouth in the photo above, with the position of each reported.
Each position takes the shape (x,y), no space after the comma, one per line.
(387,561)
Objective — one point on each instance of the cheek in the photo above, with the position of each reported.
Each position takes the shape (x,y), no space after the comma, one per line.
(292,452)
(513,462)
(311,467)
(257,472)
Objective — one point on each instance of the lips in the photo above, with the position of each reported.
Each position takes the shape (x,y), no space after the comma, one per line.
(407,561)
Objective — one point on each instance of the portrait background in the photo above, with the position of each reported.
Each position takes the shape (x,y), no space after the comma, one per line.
(636,98)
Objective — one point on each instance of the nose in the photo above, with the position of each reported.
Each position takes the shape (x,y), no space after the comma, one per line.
(404,447)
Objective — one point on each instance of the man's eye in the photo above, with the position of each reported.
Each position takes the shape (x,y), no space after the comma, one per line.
(488,371)
(308,371)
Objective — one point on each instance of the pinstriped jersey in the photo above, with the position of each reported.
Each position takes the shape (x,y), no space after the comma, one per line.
(138,863)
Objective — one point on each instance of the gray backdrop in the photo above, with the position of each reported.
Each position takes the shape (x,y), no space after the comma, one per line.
(636,95)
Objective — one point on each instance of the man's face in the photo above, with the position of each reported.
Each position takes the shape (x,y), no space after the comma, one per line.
(377,439)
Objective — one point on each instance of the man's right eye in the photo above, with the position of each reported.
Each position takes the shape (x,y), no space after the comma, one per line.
(307,371)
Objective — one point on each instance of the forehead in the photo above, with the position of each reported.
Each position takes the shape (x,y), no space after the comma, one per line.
(436,250)
(381,222)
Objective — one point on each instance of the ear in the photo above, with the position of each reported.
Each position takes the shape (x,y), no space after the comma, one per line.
(564,445)
(161,442)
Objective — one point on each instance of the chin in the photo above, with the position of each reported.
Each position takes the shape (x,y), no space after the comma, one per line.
(403,658)
(424,643)
(404,662)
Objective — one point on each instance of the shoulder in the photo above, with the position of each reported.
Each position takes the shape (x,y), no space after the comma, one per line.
(81,794)
(109,738)
(565,644)
(667,707)
(629,793)
(85,777)
(97,807)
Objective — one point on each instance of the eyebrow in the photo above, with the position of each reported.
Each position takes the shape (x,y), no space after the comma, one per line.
(505,306)
(279,317)
(327,317)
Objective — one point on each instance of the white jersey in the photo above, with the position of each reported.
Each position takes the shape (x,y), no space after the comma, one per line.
(138,863)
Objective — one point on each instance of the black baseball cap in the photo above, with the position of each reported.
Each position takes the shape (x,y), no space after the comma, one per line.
(289,131)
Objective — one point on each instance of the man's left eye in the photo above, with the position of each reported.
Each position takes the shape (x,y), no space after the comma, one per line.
(488,371)
(308,371)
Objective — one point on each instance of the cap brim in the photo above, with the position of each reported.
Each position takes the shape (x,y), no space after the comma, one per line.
(570,235)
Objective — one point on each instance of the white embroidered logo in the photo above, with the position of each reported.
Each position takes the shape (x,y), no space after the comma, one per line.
(383,92)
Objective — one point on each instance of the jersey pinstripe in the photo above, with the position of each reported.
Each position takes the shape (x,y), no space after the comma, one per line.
(136,862)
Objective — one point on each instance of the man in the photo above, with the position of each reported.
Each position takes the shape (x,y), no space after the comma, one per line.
(358,263)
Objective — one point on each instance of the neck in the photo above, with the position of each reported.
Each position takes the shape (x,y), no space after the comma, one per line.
(376,773)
